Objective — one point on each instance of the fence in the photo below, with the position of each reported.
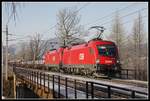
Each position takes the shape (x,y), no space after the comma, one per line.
(91,89)
(134,74)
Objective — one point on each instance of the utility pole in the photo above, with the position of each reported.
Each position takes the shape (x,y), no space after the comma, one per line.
(14,84)
(2,60)
(6,76)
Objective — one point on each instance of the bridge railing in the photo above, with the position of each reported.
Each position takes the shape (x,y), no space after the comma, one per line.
(133,74)
(110,90)
(90,88)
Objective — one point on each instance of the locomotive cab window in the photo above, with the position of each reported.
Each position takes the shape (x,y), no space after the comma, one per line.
(107,50)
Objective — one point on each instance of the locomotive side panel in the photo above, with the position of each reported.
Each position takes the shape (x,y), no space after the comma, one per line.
(46,60)
(79,55)
(65,56)
(52,58)
(83,56)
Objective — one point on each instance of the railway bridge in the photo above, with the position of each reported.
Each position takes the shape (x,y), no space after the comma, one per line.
(52,85)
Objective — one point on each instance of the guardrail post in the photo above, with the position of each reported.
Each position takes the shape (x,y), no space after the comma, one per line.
(53,86)
(44,81)
(66,87)
(109,92)
(127,73)
(32,76)
(144,72)
(58,86)
(40,79)
(27,75)
(120,74)
(14,69)
(37,79)
(75,89)
(133,94)
(48,84)
(87,89)
(135,74)
(92,94)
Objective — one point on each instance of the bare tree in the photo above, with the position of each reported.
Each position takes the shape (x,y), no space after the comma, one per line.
(34,49)
(138,39)
(68,25)
(37,47)
(118,34)
(12,9)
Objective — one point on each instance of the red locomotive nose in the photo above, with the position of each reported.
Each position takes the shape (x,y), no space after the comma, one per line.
(107,60)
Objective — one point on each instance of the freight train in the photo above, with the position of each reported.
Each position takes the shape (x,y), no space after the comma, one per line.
(95,56)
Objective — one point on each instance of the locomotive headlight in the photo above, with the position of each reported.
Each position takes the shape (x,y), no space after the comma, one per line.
(118,61)
(97,61)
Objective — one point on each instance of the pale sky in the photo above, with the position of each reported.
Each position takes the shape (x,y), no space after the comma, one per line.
(41,16)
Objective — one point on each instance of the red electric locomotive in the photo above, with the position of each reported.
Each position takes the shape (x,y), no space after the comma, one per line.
(96,55)
(53,57)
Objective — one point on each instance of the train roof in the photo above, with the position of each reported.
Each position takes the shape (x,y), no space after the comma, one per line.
(77,46)
(89,43)
(104,41)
